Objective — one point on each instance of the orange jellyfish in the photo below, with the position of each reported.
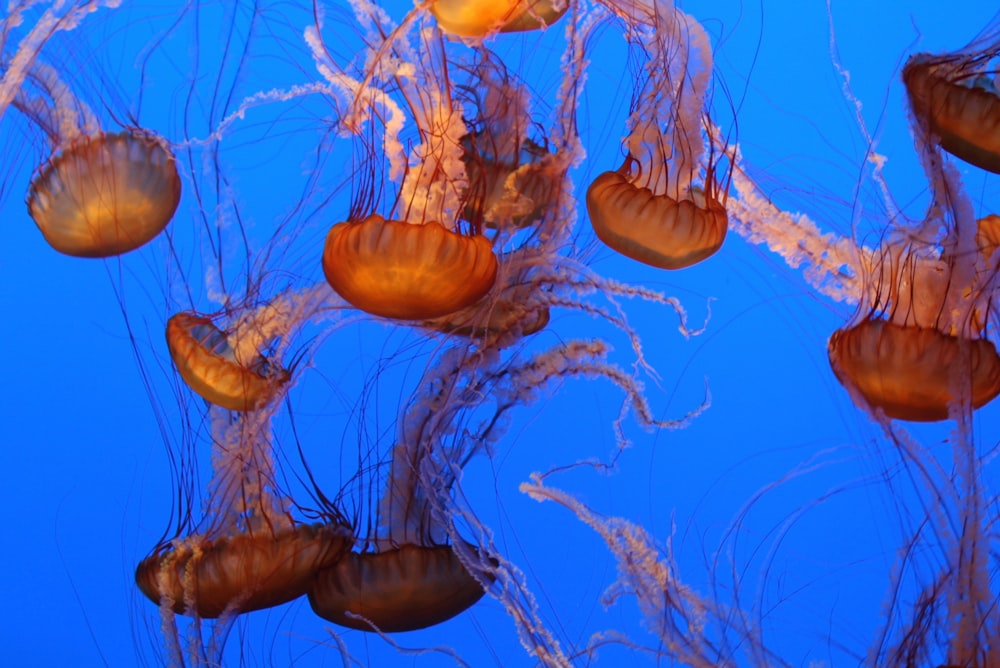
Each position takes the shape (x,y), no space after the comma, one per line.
(413,570)
(212,367)
(406,576)
(408,271)
(248,553)
(99,194)
(105,194)
(918,343)
(956,96)
(418,263)
(649,209)
(479,18)
(403,588)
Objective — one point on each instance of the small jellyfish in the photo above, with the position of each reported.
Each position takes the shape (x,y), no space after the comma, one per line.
(959,103)
(494,317)
(649,209)
(100,194)
(418,263)
(209,365)
(917,345)
(479,18)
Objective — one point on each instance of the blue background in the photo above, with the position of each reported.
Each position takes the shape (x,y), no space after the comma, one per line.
(89,410)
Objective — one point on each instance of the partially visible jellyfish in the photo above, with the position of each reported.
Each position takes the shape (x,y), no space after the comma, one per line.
(918,342)
(479,18)
(650,208)
(418,263)
(955,97)
(521,190)
(512,177)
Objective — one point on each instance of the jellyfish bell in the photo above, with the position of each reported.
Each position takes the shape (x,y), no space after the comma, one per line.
(493,318)
(106,194)
(658,230)
(241,572)
(99,194)
(501,189)
(209,365)
(479,18)
(960,105)
(394,269)
(404,588)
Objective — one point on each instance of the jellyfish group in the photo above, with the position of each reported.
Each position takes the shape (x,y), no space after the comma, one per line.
(448,220)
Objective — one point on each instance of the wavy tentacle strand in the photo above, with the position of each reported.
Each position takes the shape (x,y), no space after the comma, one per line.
(22,64)
(835,266)
(280,318)
(435,180)
(61,115)
(679,616)
(666,128)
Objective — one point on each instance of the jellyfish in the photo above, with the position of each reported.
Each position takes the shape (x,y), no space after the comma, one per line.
(99,194)
(955,97)
(512,178)
(904,364)
(418,263)
(209,365)
(409,575)
(248,552)
(479,18)
(105,194)
(649,209)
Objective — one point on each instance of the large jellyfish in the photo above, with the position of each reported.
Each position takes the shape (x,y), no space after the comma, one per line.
(917,345)
(247,553)
(418,263)
(651,209)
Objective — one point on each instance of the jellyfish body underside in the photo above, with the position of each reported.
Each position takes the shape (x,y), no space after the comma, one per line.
(908,371)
